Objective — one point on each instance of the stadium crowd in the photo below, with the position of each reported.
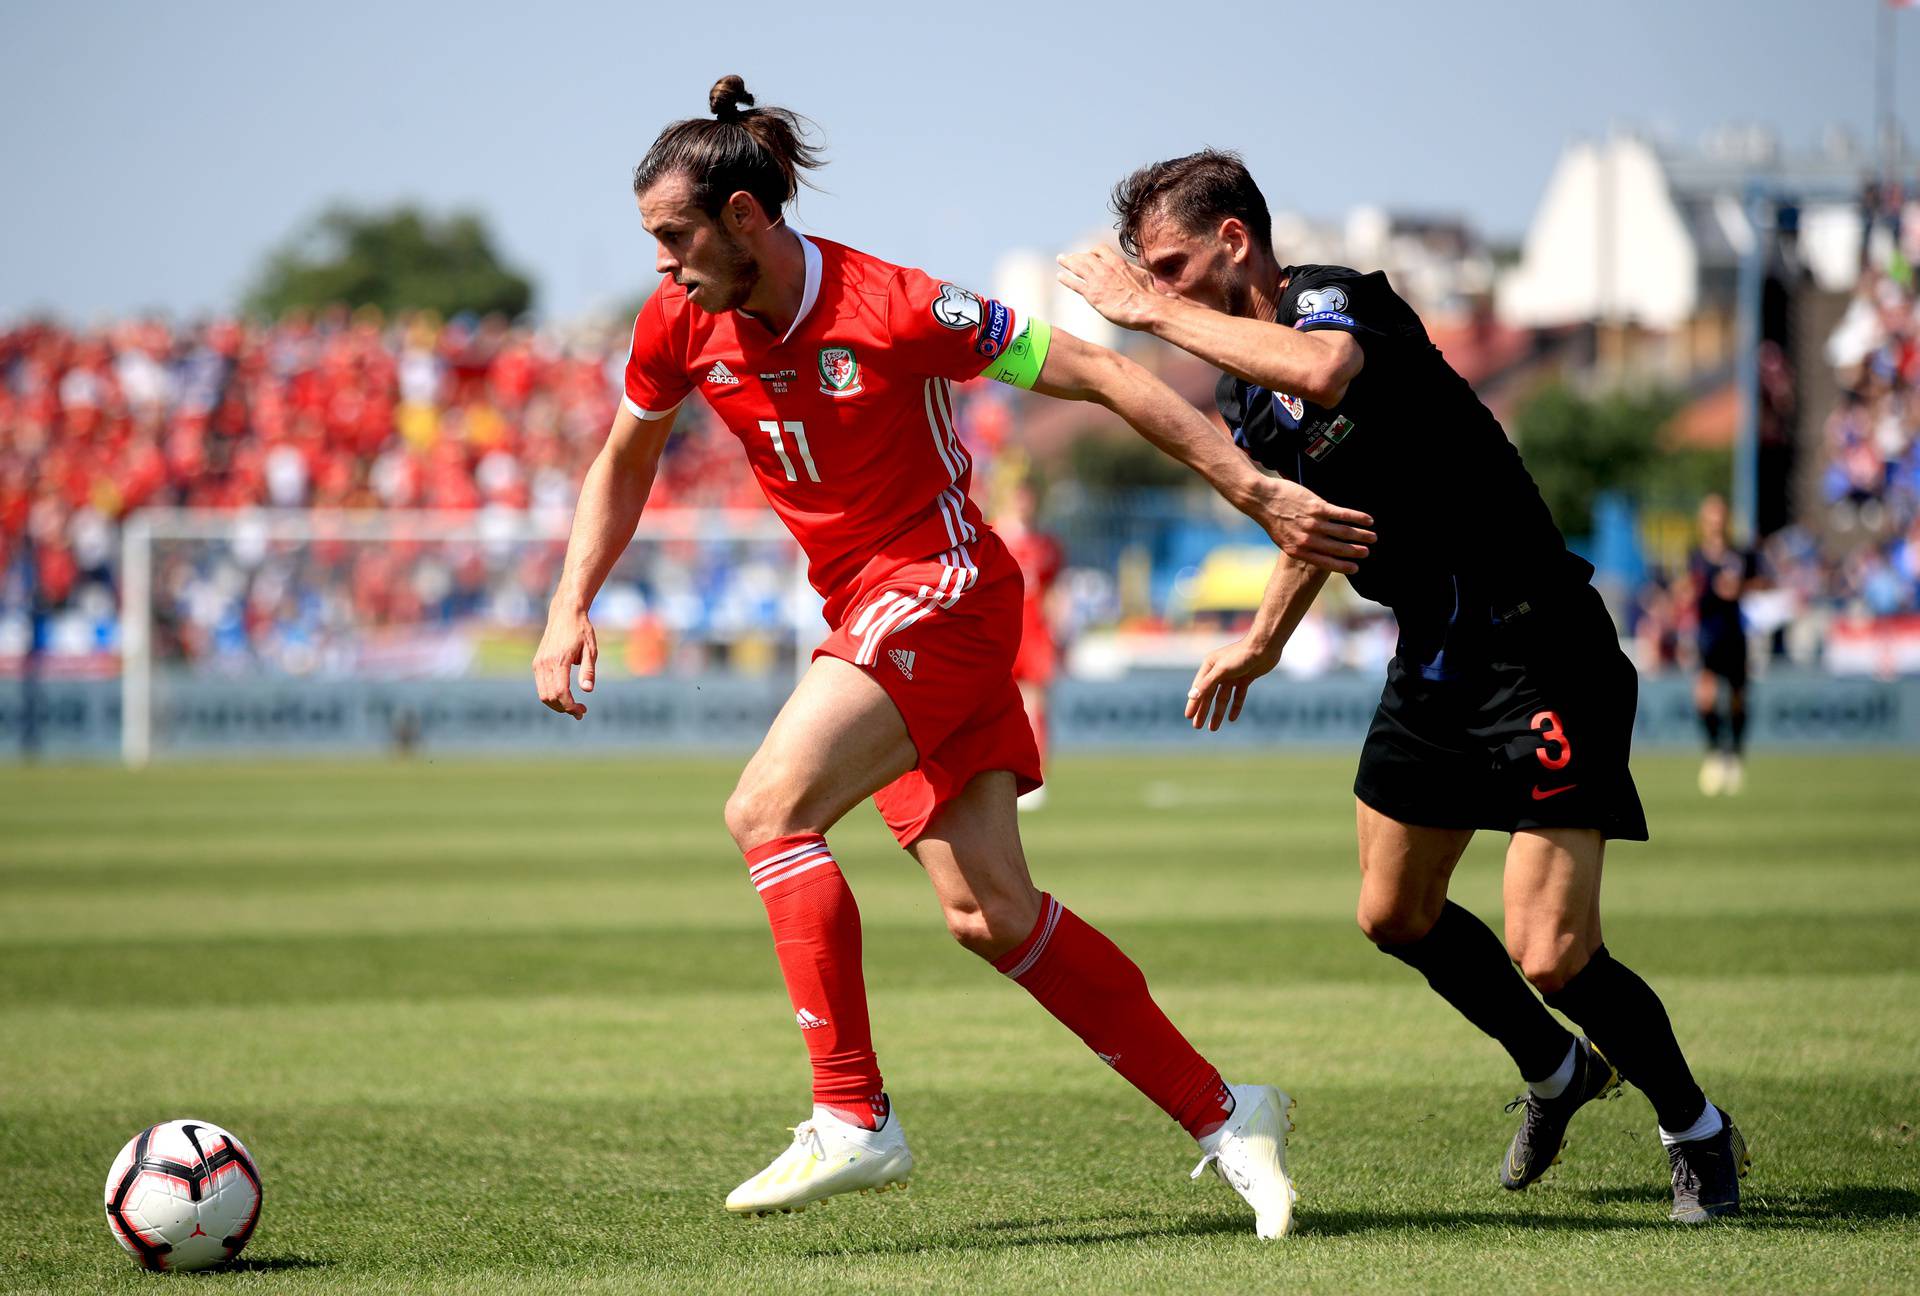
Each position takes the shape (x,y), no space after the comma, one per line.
(1857,560)
(1872,437)
(348,410)
(338,410)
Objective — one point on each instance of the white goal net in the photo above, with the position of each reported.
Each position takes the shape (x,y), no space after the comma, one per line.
(300,630)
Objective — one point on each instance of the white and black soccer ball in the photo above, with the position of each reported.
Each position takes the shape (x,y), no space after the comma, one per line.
(183,1195)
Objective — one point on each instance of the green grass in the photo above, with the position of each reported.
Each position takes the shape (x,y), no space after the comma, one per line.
(497,1028)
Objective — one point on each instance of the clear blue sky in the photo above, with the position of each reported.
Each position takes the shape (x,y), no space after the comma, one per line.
(151,153)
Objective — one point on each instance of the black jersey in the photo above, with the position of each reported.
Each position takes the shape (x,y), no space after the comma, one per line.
(1465,541)
(1718,616)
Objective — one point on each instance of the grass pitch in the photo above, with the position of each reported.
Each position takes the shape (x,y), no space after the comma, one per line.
(505,1028)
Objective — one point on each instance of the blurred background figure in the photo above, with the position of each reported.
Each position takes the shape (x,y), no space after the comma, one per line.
(1720,575)
(1041,558)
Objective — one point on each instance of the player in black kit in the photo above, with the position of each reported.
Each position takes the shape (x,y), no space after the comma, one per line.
(1719,574)
(1508,703)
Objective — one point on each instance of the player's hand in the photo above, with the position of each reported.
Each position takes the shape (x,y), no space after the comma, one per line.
(1112,285)
(568,642)
(1220,688)
(1309,529)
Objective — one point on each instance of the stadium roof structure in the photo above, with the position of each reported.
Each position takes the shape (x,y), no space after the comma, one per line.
(1634,232)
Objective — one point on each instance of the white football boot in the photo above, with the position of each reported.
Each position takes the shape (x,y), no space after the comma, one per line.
(1250,1153)
(827,1157)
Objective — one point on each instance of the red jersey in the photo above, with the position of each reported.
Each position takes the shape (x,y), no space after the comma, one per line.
(847,419)
(1040,558)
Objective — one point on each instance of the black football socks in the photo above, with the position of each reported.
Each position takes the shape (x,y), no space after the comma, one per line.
(1624,1017)
(1466,965)
(1710,726)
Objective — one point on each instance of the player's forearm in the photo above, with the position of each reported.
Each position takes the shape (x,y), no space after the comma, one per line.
(612,497)
(1309,365)
(1177,429)
(1290,591)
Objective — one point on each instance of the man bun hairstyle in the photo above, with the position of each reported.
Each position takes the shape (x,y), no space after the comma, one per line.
(1196,192)
(728,98)
(762,151)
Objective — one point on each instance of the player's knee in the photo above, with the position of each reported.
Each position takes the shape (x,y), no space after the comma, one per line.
(1549,960)
(1396,920)
(993,923)
(967,923)
(758,811)
(744,818)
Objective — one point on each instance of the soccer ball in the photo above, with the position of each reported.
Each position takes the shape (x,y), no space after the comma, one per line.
(183,1195)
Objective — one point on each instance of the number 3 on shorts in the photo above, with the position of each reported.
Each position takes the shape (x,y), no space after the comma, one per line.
(1551,736)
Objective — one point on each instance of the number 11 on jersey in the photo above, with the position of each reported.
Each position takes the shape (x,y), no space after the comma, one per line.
(798,432)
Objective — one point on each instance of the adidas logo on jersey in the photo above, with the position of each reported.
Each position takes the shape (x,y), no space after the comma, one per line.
(808,1021)
(903,658)
(722,375)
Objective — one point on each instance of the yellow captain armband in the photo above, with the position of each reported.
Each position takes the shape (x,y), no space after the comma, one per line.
(1019,365)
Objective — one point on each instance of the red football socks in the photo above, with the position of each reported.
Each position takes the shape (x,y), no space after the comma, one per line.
(1099,994)
(816,935)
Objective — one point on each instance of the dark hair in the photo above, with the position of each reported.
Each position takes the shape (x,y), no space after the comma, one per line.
(760,150)
(1197,191)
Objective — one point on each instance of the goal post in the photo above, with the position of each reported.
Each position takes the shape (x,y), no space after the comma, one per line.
(310,597)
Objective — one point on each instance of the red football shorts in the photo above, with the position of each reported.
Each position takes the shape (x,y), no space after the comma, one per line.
(940,637)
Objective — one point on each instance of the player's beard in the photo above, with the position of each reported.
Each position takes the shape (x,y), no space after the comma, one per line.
(738,276)
(1236,292)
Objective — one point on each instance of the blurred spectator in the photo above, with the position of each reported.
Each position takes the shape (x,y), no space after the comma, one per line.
(483,416)
(1872,480)
(336,409)
(1860,561)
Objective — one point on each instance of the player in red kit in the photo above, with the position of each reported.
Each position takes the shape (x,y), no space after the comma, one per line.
(1039,557)
(832,367)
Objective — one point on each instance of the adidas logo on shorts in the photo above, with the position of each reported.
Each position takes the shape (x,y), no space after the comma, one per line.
(903,658)
(722,375)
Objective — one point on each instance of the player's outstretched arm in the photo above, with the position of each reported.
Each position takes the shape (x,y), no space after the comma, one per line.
(1305,526)
(1220,687)
(611,499)
(1317,366)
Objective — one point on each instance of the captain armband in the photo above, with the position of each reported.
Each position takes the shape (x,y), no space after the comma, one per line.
(1019,365)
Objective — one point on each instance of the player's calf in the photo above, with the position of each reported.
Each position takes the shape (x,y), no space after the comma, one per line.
(816,937)
(1466,965)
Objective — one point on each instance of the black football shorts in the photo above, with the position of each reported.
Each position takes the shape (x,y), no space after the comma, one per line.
(1535,734)
(1725,654)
